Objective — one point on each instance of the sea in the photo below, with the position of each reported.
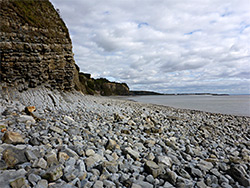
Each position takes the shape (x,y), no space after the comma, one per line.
(229,104)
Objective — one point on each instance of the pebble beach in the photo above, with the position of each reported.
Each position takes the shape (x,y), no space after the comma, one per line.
(55,139)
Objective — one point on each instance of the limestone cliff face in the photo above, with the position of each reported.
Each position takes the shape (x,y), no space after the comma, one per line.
(35,46)
(35,49)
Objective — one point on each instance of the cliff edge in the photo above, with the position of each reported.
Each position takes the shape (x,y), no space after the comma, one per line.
(35,46)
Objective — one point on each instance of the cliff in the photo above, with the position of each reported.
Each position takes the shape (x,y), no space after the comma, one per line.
(36,49)
(102,86)
(35,46)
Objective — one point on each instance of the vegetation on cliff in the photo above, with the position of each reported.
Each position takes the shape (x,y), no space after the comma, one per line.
(102,86)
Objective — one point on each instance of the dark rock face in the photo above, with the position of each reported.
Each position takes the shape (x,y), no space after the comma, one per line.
(35,46)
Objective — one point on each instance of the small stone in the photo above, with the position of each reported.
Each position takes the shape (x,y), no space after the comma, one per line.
(89,152)
(18,183)
(215,172)
(70,162)
(144,184)
(53,173)
(150,156)
(26,118)
(150,179)
(68,119)
(164,160)
(42,184)
(10,175)
(152,168)
(112,145)
(62,156)
(110,166)
(194,172)
(182,182)
(98,184)
(40,163)
(81,166)
(3,165)
(131,152)
(169,176)
(71,175)
(201,184)
(30,155)
(226,185)
(205,165)
(13,156)
(168,185)
(51,158)
(30,109)
(109,184)
(92,161)
(136,186)
(12,138)
(56,129)
(33,179)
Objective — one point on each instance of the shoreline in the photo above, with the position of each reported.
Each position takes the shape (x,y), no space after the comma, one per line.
(82,141)
(157,99)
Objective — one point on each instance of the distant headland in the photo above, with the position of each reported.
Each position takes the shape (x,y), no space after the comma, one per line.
(134,93)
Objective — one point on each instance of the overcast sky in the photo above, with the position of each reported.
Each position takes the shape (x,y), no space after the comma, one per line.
(169,46)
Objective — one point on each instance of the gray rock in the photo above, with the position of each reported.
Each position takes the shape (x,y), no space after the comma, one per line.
(92,161)
(167,161)
(184,183)
(150,179)
(71,175)
(144,184)
(201,184)
(81,166)
(152,168)
(169,176)
(19,182)
(226,185)
(131,152)
(194,172)
(53,173)
(215,172)
(30,155)
(7,175)
(33,179)
(42,184)
(109,184)
(168,185)
(70,162)
(86,184)
(56,129)
(13,156)
(26,118)
(134,185)
(51,158)
(98,184)
(112,145)
(204,165)
(40,163)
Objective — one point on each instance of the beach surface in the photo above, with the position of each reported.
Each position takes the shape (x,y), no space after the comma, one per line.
(67,139)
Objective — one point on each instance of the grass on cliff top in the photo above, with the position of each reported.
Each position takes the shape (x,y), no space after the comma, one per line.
(36,13)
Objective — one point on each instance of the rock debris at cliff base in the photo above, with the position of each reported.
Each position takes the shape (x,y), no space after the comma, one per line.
(66,139)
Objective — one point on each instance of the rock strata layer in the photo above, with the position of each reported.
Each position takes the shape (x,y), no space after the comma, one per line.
(35,46)
(80,141)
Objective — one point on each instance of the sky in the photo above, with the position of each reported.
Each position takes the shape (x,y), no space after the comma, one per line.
(168,46)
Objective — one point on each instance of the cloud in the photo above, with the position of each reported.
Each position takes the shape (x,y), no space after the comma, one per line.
(163,45)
